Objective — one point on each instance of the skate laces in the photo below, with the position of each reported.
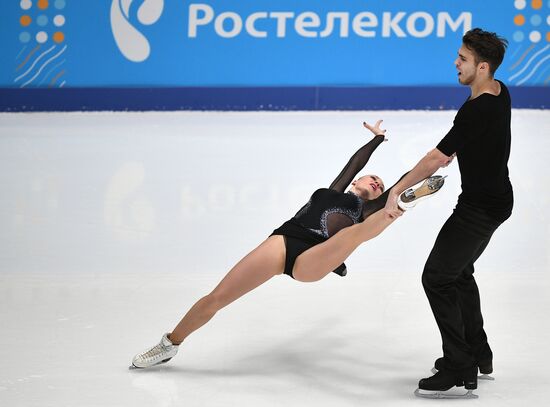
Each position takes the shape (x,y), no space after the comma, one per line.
(154,352)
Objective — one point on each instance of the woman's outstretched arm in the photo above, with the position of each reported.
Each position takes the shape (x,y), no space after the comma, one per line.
(359,159)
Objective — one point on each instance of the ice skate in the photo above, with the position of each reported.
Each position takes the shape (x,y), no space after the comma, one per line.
(160,353)
(444,385)
(485,368)
(409,198)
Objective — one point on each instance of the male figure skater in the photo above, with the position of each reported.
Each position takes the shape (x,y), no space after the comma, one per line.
(480,138)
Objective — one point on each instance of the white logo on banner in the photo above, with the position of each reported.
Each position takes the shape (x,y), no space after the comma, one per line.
(132,43)
(128,211)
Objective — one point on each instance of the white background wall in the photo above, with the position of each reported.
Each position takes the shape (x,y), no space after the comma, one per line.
(104,192)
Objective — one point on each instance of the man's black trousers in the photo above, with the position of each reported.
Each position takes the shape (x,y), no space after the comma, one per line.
(449,283)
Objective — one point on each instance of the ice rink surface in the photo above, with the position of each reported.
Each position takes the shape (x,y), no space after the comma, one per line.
(114,224)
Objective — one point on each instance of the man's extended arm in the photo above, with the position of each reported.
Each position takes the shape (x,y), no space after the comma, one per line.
(426,167)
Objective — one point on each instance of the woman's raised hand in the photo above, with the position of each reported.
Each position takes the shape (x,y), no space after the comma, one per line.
(376,130)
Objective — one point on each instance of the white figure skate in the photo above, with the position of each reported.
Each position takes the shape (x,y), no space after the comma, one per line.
(160,353)
(408,199)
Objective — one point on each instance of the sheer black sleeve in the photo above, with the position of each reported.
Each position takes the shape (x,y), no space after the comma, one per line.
(355,164)
(374,205)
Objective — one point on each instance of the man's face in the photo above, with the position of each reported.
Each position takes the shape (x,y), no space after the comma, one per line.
(466,66)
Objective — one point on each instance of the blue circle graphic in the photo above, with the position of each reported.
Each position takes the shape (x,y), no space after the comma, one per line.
(536,20)
(24,37)
(42,20)
(59,4)
(519,36)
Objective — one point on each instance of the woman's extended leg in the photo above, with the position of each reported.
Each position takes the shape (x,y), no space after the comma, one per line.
(320,260)
(264,262)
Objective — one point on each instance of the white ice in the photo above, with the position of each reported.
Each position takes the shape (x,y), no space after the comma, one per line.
(113,224)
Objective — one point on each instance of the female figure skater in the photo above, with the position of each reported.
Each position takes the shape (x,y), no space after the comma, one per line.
(309,246)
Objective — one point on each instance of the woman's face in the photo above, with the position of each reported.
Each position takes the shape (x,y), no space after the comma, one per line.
(368,187)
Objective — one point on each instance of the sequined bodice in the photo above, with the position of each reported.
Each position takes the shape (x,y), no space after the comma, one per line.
(328,211)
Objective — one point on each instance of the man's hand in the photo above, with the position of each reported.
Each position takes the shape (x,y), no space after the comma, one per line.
(427,166)
(391,210)
(451,158)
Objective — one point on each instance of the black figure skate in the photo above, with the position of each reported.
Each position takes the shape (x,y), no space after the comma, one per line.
(441,385)
(485,368)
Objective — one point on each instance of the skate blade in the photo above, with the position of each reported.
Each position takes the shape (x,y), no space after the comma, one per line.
(449,394)
(133,367)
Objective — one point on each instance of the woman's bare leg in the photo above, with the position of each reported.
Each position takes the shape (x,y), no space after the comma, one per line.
(320,260)
(264,262)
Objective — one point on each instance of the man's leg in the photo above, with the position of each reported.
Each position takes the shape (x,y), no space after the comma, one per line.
(470,305)
(441,271)
(461,240)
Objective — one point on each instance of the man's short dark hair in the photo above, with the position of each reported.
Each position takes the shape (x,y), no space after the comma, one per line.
(486,46)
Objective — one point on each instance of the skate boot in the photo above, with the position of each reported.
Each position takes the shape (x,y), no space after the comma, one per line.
(440,385)
(161,353)
(409,198)
(485,368)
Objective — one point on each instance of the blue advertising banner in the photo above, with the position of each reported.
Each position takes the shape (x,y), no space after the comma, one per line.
(223,44)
